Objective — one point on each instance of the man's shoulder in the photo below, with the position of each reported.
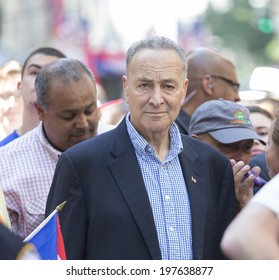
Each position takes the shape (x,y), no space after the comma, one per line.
(9,138)
(19,144)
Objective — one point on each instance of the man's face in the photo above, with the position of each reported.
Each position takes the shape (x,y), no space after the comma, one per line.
(27,85)
(72,115)
(154,90)
(224,83)
(11,102)
(240,150)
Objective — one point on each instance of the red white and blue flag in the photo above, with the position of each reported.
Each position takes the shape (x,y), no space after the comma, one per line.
(47,238)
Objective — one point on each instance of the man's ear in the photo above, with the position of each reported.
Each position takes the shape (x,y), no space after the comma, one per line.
(125,86)
(40,111)
(185,87)
(207,84)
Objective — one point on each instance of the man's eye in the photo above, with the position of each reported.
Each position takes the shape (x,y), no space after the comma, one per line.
(67,118)
(169,87)
(89,112)
(144,86)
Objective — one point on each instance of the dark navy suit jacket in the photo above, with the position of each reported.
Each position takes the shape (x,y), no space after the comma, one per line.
(183,121)
(259,160)
(108,214)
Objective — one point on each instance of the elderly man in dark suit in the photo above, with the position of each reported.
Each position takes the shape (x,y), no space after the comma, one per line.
(143,190)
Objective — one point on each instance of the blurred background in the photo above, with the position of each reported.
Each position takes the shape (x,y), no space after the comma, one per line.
(98,32)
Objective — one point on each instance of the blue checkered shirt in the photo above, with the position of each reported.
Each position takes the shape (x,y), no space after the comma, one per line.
(167,194)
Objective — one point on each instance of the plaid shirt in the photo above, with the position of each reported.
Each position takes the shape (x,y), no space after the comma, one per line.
(166,188)
(27,166)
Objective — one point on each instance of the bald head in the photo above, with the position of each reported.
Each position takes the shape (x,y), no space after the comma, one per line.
(202,61)
(211,76)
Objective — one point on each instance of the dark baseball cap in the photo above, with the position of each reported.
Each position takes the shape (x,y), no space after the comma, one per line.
(224,120)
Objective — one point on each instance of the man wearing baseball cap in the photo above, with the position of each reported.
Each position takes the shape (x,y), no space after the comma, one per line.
(226,126)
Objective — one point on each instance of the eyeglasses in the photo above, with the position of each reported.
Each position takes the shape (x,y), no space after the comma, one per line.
(234,85)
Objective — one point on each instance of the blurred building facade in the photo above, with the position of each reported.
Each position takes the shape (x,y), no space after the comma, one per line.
(95,31)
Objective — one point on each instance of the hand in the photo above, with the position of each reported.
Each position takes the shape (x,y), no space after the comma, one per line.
(243,185)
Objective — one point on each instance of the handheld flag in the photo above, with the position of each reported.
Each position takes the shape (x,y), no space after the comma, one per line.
(47,237)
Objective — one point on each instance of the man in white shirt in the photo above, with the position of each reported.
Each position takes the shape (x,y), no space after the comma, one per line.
(26,87)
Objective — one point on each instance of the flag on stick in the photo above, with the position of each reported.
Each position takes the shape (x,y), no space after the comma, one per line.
(47,237)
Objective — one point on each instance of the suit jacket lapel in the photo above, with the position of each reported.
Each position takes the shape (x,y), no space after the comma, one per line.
(197,188)
(133,189)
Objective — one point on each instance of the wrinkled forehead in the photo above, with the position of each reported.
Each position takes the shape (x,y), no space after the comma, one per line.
(155,56)
(161,62)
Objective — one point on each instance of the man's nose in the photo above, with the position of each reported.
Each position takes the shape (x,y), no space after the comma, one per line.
(157,96)
(82,121)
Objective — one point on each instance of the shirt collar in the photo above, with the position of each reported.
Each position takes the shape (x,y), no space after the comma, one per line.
(44,141)
(141,144)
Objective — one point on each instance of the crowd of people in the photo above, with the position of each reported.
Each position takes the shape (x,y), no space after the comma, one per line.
(177,174)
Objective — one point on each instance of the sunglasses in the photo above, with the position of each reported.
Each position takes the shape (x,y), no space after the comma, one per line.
(233,84)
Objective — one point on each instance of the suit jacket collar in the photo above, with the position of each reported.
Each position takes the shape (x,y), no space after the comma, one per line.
(132,187)
(183,122)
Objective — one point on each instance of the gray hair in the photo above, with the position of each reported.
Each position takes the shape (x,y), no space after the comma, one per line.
(64,70)
(157,43)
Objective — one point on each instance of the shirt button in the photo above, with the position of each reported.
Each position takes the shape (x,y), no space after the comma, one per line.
(167,197)
(171,228)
